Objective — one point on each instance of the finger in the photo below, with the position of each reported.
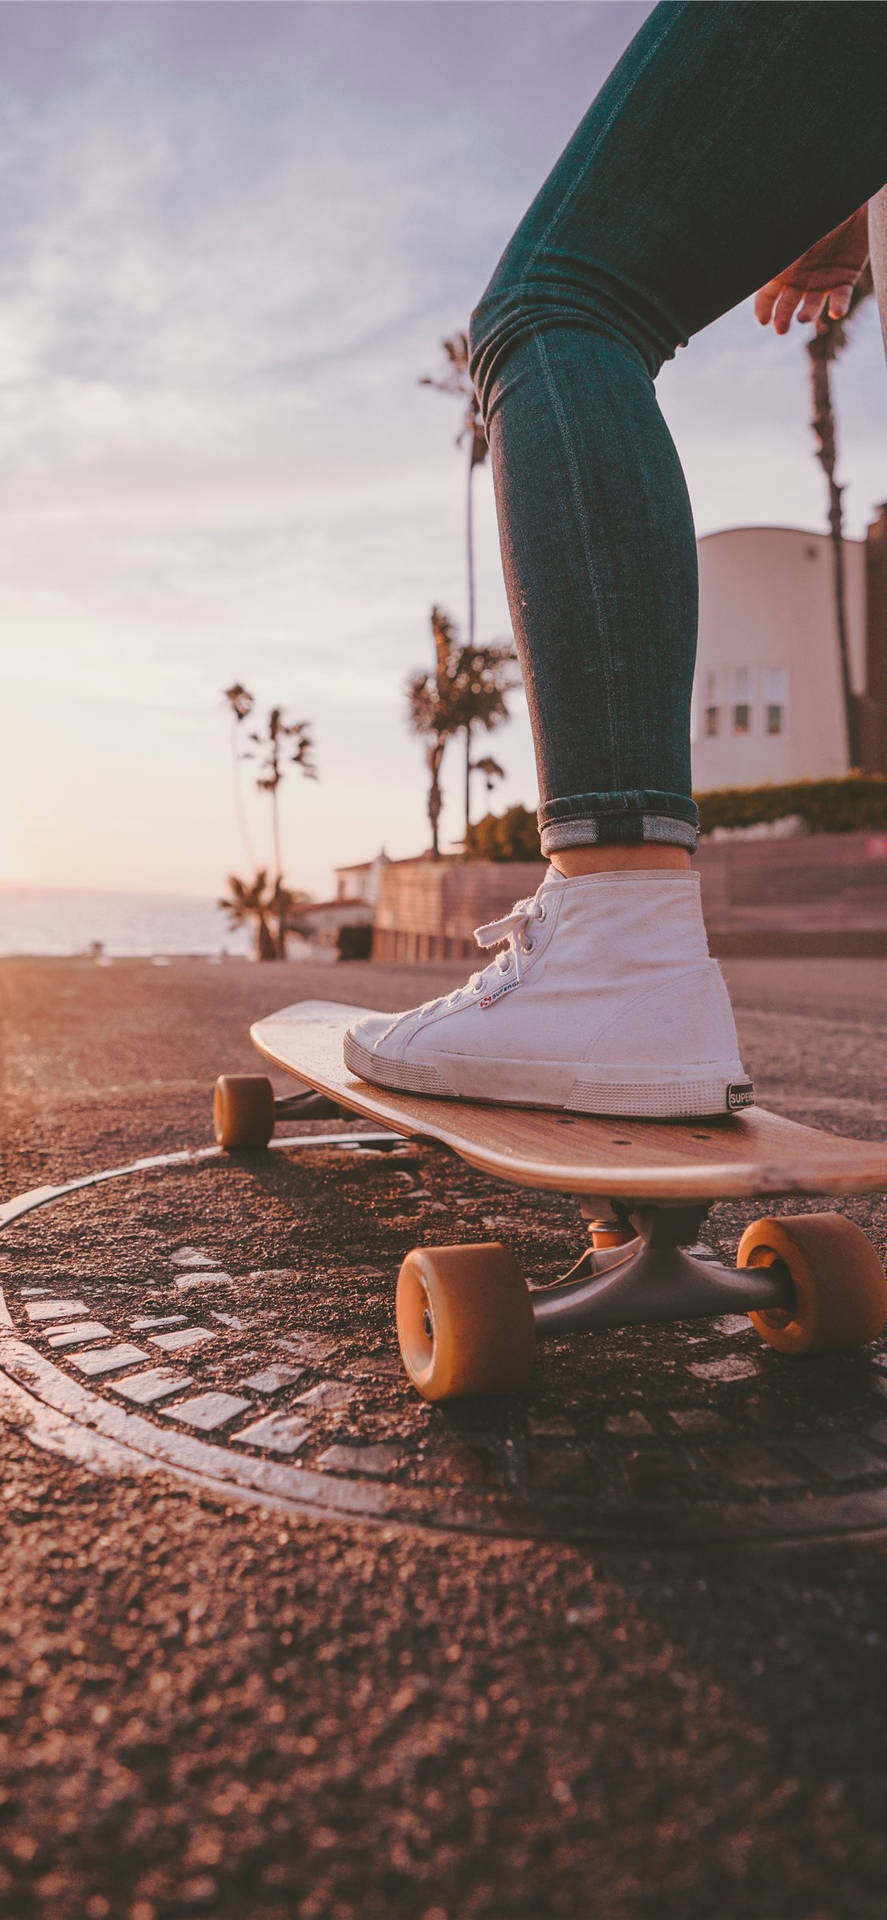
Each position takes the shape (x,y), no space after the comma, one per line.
(765,301)
(789,299)
(839,302)
(812,306)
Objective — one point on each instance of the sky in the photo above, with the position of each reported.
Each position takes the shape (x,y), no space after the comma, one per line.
(233,238)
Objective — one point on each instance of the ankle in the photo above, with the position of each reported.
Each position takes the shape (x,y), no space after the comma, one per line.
(572,861)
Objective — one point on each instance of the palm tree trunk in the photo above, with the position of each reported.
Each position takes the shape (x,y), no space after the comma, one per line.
(435,797)
(275,829)
(469,538)
(280,945)
(265,948)
(239,809)
(849,697)
(824,427)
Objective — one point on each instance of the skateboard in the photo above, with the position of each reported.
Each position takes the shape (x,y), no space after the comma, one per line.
(467,1319)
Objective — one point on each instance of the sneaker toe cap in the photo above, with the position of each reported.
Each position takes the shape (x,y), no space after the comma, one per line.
(371,1031)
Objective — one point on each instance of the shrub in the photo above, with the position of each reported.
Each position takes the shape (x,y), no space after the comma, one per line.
(355,943)
(856,801)
(845,805)
(512,835)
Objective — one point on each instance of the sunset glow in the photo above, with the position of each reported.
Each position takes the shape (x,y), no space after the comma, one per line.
(235,237)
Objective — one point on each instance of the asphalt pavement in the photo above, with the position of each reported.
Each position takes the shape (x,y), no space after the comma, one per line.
(615,1651)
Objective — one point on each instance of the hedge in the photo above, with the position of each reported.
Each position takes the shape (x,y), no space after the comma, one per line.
(512,835)
(825,806)
(846,805)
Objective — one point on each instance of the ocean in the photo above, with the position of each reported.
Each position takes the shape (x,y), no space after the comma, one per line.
(71,920)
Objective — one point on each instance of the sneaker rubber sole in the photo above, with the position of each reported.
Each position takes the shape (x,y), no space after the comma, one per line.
(699,1093)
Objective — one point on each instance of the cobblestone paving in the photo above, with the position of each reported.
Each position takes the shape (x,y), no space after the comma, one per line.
(211,1302)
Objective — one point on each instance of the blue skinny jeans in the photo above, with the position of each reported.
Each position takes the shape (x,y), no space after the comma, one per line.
(727,140)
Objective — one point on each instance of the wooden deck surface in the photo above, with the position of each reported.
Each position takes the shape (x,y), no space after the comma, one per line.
(738,1156)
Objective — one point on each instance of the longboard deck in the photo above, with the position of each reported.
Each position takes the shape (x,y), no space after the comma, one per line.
(734,1157)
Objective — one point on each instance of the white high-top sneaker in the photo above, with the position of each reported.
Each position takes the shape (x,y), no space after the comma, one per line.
(605,1001)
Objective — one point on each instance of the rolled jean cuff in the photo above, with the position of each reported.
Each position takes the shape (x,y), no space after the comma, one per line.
(606,819)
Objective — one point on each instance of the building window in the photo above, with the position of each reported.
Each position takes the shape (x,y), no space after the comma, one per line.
(776,699)
(712,721)
(742,693)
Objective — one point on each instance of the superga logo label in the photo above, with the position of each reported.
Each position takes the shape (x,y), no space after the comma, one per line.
(488,998)
(743,1096)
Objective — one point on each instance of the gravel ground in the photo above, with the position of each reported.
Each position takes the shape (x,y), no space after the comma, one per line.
(215,1711)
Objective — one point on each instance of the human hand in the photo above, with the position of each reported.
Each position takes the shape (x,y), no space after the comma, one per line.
(823,277)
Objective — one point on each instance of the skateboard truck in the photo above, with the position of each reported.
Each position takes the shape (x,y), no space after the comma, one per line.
(469,1321)
(307,1106)
(653,1276)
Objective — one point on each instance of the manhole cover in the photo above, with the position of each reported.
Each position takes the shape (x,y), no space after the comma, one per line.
(233,1320)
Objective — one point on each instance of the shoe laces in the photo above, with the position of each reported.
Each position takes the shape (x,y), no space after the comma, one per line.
(513,928)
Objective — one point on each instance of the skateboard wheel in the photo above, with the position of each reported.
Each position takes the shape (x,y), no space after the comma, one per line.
(243,1110)
(604,1234)
(840,1289)
(465,1321)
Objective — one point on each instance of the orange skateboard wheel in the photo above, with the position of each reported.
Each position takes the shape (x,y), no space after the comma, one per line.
(243,1110)
(465,1321)
(840,1289)
(605,1234)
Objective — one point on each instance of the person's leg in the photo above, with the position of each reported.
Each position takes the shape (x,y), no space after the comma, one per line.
(727,140)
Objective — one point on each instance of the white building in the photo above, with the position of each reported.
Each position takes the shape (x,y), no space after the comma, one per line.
(320,921)
(767,702)
(361,882)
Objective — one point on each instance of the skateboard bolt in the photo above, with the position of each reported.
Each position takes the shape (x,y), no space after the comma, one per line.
(428,1324)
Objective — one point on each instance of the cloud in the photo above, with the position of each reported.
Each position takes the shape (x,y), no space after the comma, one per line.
(231,239)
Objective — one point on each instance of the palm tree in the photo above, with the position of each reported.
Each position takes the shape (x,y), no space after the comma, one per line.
(456,379)
(467,686)
(284,742)
(259,902)
(241,704)
(273,744)
(251,902)
(281,742)
(830,337)
(431,714)
(490,769)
